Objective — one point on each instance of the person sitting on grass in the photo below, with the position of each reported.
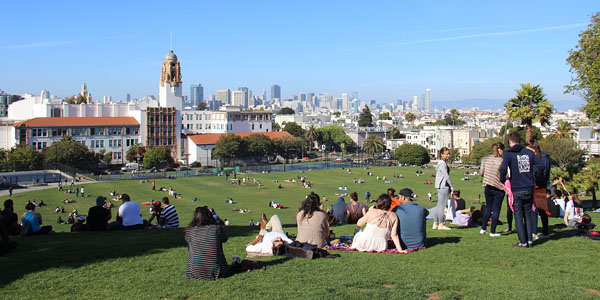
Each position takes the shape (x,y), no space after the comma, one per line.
(395,200)
(312,222)
(6,245)
(411,220)
(9,219)
(79,225)
(128,216)
(573,211)
(32,222)
(381,224)
(155,211)
(99,215)
(168,217)
(205,239)
(337,212)
(355,210)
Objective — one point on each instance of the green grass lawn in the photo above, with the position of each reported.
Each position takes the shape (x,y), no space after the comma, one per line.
(150,264)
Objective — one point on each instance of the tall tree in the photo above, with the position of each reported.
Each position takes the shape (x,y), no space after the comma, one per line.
(334,136)
(585,68)
(72,153)
(452,117)
(564,153)
(564,129)
(24,158)
(134,151)
(275,126)
(454,154)
(259,146)
(589,178)
(373,144)
(529,105)
(365,119)
(157,156)
(312,135)
(294,129)
(411,154)
(394,133)
(410,117)
(288,147)
(229,147)
(286,111)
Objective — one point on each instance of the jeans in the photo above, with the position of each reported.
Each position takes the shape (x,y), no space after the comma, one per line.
(439,215)
(509,215)
(523,216)
(493,204)
(544,217)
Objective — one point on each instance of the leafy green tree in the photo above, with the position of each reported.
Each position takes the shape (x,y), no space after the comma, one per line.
(365,119)
(229,147)
(157,156)
(373,144)
(505,129)
(24,158)
(528,106)
(585,68)
(286,111)
(411,154)
(410,117)
(105,156)
(385,116)
(72,153)
(454,154)
(259,146)
(445,123)
(564,130)
(294,129)
(134,151)
(288,147)
(564,153)
(202,106)
(334,136)
(452,117)
(481,149)
(275,126)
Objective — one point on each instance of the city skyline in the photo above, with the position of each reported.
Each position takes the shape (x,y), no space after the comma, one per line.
(457,50)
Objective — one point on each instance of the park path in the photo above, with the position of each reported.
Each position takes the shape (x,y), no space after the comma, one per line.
(43,187)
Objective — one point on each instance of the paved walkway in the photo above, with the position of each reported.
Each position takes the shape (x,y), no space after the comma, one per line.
(41,187)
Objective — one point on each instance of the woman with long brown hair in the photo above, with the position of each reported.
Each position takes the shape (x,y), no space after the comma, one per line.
(494,191)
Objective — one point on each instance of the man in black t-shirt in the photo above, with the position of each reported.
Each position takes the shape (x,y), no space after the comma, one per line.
(99,215)
(10,220)
(459,203)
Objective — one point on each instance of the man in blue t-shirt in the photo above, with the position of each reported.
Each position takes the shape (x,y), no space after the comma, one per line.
(411,221)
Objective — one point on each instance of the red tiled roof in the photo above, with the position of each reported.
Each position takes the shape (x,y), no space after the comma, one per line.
(212,138)
(78,121)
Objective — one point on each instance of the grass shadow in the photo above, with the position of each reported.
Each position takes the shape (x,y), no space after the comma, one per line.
(434,241)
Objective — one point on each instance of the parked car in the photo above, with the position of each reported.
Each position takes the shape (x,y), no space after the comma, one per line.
(184,169)
(116,172)
(169,169)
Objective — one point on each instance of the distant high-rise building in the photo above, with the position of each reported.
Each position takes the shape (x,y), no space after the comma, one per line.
(246,91)
(428,105)
(275,92)
(422,102)
(399,101)
(237,98)
(302,97)
(415,103)
(373,103)
(196,94)
(224,96)
(128,97)
(345,102)
(264,95)
(309,97)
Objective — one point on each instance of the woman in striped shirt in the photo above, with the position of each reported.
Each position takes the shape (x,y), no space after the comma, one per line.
(494,191)
(204,237)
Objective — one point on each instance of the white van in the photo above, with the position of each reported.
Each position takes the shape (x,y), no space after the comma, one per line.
(130,167)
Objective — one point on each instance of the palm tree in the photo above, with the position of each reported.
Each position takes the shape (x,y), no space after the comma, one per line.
(564,130)
(454,114)
(393,133)
(373,144)
(589,178)
(528,106)
(410,117)
(312,135)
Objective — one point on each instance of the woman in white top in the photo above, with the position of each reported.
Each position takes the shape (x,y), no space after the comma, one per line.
(572,213)
(380,225)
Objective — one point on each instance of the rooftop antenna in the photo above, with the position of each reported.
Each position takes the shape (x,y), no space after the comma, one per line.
(171,41)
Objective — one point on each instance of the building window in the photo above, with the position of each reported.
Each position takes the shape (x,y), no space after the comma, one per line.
(252,126)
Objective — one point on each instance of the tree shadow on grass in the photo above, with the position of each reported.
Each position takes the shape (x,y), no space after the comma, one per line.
(74,250)
(434,241)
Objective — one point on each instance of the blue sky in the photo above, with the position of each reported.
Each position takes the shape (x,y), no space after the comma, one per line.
(383,50)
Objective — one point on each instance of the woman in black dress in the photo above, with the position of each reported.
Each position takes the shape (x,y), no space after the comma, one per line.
(204,237)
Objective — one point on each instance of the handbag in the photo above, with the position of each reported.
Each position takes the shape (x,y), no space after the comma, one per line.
(540,199)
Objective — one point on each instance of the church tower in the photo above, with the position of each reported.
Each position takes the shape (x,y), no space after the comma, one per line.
(170,94)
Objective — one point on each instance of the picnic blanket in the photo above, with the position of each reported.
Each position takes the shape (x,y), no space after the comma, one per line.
(341,245)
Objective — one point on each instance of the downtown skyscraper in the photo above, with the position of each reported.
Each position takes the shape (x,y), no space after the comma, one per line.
(196,94)
(275,92)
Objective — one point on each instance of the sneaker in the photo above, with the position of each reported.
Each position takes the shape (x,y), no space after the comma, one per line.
(482,231)
(443,227)
(520,245)
(530,244)
(494,234)
(435,226)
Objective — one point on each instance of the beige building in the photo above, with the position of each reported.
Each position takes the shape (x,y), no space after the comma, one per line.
(224,96)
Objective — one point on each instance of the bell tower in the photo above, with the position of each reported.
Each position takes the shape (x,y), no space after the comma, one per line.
(170,92)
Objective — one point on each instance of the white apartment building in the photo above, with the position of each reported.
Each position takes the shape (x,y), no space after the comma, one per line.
(228,119)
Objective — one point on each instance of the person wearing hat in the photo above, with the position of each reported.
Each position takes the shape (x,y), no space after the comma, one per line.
(99,215)
(411,221)
(155,212)
(79,226)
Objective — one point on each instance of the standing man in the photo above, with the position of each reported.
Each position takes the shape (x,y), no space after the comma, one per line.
(76,192)
(411,221)
(520,161)
(153,186)
(82,192)
(10,190)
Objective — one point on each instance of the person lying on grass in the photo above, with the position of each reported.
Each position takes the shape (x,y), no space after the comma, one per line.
(380,225)
(266,241)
